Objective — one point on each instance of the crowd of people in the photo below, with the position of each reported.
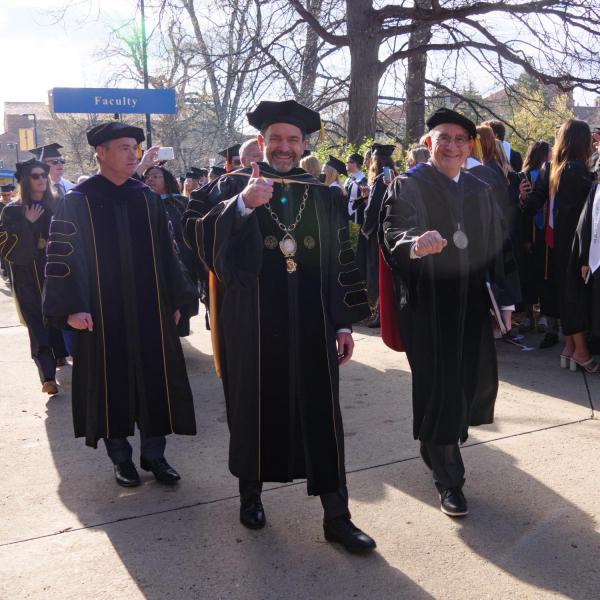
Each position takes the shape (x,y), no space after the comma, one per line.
(109,271)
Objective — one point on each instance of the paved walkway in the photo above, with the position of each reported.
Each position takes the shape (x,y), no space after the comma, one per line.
(67,531)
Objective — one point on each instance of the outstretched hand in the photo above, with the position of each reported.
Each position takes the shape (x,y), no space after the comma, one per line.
(258,191)
(431,242)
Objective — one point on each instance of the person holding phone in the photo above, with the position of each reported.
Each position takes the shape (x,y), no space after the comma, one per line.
(24,227)
(381,173)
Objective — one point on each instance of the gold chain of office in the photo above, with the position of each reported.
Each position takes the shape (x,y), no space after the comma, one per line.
(287,244)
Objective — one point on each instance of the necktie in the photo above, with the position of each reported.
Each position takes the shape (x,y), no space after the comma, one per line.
(60,189)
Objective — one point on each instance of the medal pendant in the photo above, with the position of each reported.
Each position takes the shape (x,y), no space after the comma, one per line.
(291,265)
(288,246)
(460,239)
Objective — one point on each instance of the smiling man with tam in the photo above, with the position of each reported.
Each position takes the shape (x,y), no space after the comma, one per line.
(291,291)
(113,277)
(441,234)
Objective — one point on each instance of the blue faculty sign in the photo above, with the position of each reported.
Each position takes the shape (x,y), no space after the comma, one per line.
(113,100)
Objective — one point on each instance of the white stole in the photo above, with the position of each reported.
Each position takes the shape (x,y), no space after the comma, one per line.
(594,258)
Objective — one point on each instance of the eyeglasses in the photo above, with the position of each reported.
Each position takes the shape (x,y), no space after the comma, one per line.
(56,161)
(36,176)
(446,140)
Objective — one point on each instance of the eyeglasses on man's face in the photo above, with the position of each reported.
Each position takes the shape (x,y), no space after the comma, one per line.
(445,140)
(56,161)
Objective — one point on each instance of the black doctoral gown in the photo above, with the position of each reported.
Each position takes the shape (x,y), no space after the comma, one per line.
(175,206)
(584,299)
(442,299)
(278,329)
(22,246)
(111,254)
(369,231)
(573,188)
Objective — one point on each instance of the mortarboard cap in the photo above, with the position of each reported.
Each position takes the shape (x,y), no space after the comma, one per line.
(356,158)
(7,188)
(230,152)
(382,149)
(446,115)
(112,131)
(337,164)
(23,168)
(192,174)
(217,171)
(47,151)
(289,111)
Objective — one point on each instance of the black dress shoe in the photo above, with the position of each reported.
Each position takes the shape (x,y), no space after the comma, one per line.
(161,469)
(343,531)
(550,339)
(252,514)
(126,474)
(453,503)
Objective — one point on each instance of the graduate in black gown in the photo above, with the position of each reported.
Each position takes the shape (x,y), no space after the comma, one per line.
(583,275)
(114,277)
(441,234)
(381,159)
(277,242)
(24,226)
(563,186)
(162,182)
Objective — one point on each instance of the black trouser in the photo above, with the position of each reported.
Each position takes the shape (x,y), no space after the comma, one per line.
(335,504)
(119,449)
(446,463)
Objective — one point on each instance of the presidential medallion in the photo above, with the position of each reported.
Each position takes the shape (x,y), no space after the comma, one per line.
(460,239)
(288,245)
(309,242)
(41,243)
(271,242)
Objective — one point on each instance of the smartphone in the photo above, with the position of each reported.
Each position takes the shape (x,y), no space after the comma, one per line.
(387,175)
(522,176)
(165,153)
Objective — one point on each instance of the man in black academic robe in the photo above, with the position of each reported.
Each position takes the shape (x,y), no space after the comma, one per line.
(278,244)
(114,277)
(441,234)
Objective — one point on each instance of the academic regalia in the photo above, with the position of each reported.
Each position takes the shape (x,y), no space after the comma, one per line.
(584,299)
(111,254)
(369,231)
(22,247)
(492,175)
(442,302)
(570,197)
(278,329)
(175,206)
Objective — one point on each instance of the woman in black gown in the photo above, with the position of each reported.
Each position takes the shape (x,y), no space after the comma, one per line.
(24,227)
(565,185)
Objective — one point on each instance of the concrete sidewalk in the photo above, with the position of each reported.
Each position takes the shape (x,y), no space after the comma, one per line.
(533,485)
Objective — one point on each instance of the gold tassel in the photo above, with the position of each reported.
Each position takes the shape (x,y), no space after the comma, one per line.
(322,132)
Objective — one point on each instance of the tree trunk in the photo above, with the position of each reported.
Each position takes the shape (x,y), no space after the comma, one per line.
(415,80)
(310,58)
(365,70)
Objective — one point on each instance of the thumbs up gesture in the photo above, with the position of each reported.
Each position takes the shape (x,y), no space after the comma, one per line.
(258,191)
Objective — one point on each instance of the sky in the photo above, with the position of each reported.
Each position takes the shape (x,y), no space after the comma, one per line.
(48,54)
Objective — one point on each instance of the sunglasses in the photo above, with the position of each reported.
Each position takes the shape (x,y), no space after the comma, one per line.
(36,176)
(56,161)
